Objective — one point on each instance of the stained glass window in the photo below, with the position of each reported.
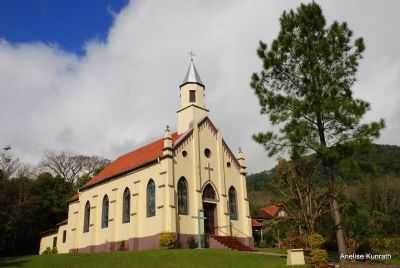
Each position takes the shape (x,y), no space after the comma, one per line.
(232,204)
(86,220)
(126,206)
(209,193)
(151,199)
(182,196)
(104,215)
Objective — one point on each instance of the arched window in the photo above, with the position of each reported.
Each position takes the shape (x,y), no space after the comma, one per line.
(64,236)
(86,220)
(209,193)
(232,204)
(182,196)
(126,206)
(104,215)
(151,199)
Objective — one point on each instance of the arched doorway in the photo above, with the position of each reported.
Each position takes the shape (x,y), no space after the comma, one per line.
(210,209)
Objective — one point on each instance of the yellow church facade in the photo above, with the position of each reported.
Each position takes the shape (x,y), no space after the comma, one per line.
(186,183)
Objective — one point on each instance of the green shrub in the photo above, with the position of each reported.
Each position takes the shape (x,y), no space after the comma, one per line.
(178,244)
(47,251)
(385,245)
(167,240)
(54,251)
(296,241)
(50,251)
(263,244)
(316,241)
(319,258)
(192,242)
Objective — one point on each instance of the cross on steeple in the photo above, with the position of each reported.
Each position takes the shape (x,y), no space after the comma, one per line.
(209,169)
(191,54)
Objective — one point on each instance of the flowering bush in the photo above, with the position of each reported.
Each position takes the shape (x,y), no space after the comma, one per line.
(167,240)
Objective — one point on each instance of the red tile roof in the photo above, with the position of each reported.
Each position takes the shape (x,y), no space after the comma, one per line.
(255,223)
(145,154)
(270,211)
(131,160)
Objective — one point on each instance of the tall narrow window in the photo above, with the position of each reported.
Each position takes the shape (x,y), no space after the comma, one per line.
(182,196)
(126,206)
(86,220)
(104,216)
(64,236)
(151,199)
(192,95)
(232,204)
(55,242)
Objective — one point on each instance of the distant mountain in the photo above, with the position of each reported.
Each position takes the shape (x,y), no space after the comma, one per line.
(382,160)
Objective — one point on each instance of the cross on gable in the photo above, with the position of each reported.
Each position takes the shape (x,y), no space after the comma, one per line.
(209,169)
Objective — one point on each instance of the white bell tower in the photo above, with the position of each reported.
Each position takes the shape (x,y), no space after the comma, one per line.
(192,108)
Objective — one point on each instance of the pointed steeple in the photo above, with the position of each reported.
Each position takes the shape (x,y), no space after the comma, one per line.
(192,76)
(191,93)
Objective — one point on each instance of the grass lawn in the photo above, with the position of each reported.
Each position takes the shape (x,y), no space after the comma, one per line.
(196,258)
(273,250)
(395,260)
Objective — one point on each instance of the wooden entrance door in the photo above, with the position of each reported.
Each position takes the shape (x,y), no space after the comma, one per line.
(209,222)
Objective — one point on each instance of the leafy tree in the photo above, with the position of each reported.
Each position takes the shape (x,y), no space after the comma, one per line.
(30,206)
(8,165)
(73,168)
(305,89)
(299,192)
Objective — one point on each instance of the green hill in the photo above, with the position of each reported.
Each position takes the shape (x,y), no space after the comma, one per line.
(381,161)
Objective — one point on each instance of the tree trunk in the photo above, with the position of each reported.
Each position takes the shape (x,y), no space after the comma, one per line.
(338,226)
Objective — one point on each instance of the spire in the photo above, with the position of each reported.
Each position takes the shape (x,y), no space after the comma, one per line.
(192,76)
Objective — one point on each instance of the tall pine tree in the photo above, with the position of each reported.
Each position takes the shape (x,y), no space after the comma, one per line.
(304,88)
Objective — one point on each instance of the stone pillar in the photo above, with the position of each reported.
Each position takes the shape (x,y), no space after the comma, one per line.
(95,218)
(223,213)
(75,227)
(135,212)
(244,201)
(196,179)
(115,212)
(167,163)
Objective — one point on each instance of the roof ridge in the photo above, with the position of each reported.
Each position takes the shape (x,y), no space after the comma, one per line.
(142,146)
(131,160)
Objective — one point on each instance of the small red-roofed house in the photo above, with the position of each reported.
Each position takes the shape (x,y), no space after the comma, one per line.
(271,212)
(264,217)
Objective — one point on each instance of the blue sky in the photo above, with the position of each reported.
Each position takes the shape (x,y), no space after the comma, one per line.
(69,24)
(120,93)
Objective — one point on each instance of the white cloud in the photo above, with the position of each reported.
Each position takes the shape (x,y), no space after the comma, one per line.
(124,91)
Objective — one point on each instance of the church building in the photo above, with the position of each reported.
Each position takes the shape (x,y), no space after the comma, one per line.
(187,183)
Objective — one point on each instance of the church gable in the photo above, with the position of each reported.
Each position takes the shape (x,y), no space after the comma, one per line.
(206,123)
(231,158)
(183,140)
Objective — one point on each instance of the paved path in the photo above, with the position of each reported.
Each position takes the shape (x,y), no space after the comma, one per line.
(268,253)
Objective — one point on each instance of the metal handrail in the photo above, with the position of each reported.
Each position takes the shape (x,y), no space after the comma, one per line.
(231,227)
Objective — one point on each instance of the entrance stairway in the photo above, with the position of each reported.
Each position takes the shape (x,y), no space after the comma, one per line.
(228,242)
